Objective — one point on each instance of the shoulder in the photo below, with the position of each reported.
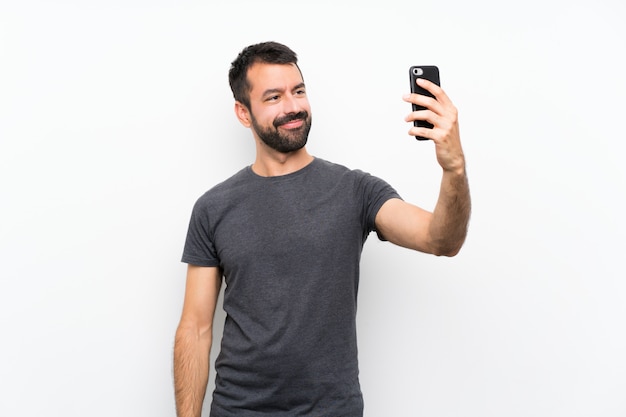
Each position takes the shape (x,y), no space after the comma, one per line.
(355,183)
(225,189)
(354,175)
(337,170)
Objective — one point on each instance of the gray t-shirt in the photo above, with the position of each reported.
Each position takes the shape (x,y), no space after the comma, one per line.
(289,247)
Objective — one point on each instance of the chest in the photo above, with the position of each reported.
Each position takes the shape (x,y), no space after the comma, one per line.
(286,223)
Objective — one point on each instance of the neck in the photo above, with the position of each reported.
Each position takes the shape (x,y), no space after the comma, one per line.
(270,163)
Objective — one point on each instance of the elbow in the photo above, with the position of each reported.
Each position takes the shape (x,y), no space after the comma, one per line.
(448,252)
(447,249)
(447,243)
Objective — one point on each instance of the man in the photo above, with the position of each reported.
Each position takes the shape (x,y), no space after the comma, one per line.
(286,233)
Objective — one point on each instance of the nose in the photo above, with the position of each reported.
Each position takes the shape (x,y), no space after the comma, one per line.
(290,104)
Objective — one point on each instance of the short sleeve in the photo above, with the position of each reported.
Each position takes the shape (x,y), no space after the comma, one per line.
(376,192)
(199,247)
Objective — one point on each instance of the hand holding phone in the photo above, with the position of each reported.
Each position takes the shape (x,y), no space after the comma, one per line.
(431,73)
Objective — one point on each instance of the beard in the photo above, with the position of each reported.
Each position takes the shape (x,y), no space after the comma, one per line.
(287,141)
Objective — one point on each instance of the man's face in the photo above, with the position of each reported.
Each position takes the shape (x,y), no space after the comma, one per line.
(279,109)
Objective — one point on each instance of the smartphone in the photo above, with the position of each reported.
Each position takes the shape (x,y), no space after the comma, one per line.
(431,73)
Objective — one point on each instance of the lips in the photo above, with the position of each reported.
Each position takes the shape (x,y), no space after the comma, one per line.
(294,124)
(291,121)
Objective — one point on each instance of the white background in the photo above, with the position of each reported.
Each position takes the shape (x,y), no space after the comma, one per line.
(117,115)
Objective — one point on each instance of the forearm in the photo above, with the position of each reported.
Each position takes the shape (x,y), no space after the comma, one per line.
(448,228)
(191,370)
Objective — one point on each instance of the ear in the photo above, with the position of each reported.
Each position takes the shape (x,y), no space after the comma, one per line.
(243,114)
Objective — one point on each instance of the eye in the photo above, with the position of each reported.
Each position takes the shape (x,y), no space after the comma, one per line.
(300,92)
(272,98)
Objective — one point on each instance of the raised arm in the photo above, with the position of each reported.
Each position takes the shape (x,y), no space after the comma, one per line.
(442,231)
(194,336)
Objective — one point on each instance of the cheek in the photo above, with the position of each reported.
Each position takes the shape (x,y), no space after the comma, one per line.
(263,116)
(306,106)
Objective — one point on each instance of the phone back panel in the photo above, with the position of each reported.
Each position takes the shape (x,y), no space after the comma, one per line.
(431,73)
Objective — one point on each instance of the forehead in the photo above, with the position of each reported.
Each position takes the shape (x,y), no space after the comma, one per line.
(263,77)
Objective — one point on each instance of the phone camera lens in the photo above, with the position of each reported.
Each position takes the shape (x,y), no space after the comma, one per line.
(418,71)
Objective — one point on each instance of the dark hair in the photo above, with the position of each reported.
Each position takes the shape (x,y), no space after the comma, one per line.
(266,52)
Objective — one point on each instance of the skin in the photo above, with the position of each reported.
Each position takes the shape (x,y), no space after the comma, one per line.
(443,231)
(194,338)
(278,90)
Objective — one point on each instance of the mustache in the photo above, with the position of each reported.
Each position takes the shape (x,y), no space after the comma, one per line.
(302,115)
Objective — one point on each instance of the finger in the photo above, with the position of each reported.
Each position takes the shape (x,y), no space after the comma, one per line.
(419,99)
(421,131)
(424,115)
(425,101)
(435,90)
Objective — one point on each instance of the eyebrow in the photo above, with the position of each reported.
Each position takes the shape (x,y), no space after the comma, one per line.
(280,90)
